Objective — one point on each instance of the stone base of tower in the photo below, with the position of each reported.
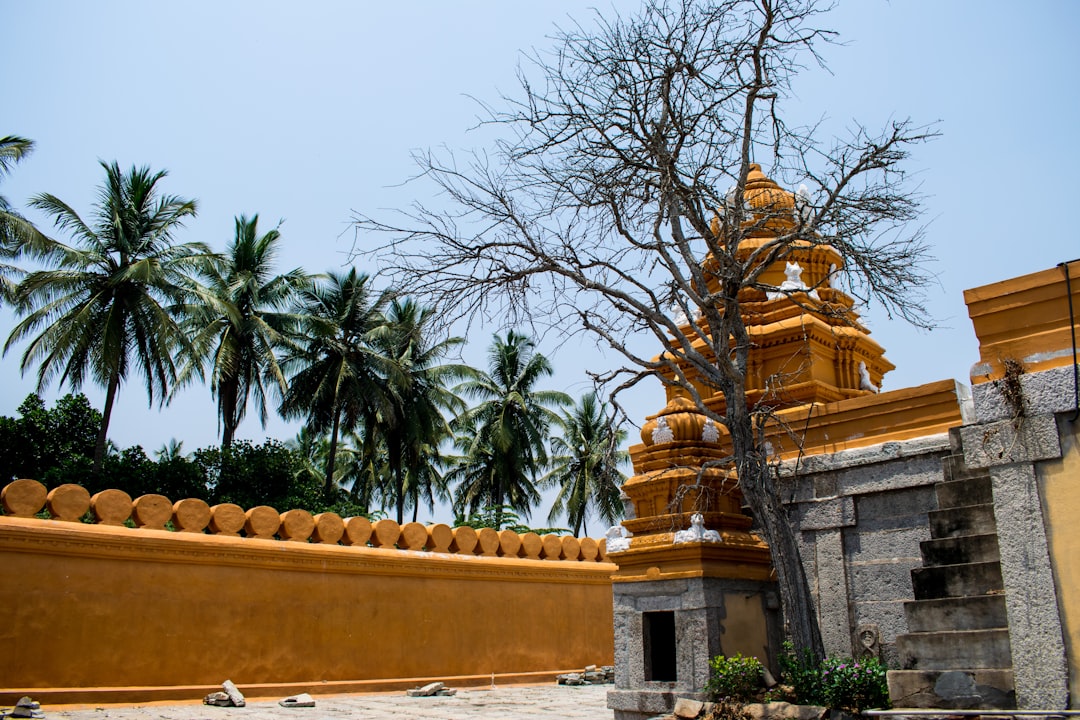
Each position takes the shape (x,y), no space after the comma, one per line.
(676,606)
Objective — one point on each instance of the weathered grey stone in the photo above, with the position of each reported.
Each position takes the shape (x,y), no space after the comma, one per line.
(952,689)
(688,709)
(234,693)
(303,700)
(218,699)
(886,579)
(832,591)
(1045,392)
(872,455)
(896,508)
(570,679)
(825,514)
(784,711)
(1003,442)
(891,544)
(427,690)
(1038,648)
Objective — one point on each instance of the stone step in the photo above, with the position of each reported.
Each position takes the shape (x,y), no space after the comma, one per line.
(952,689)
(983,612)
(956,443)
(955,649)
(959,550)
(943,581)
(960,489)
(960,521)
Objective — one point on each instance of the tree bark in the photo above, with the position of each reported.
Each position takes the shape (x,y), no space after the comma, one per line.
(331,456)
(102,438)
(760,491)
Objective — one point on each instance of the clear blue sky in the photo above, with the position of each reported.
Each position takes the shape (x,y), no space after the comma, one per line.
(309,111)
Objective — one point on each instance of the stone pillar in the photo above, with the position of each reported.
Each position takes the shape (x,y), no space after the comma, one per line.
(1010,448)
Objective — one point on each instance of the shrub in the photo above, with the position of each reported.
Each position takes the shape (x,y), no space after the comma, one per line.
(854,685)
(735,678)
(802,673)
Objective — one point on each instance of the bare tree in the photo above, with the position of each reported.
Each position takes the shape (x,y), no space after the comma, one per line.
(619,201)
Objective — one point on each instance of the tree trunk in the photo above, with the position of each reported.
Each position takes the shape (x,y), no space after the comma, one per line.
(760,491)
(227,392)
(331,456)
(99,445)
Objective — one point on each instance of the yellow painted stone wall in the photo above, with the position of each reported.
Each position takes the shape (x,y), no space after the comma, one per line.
(99,613)
(1059,484)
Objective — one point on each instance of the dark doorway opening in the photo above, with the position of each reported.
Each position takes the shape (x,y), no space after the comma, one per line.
(659,645)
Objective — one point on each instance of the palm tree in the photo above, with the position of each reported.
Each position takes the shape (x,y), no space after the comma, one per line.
(413,426)
(338,376)
(504,436)
(17,234)
(238,319)
(106,302)
(585,468)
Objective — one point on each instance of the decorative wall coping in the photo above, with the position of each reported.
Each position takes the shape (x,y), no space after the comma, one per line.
(1024,318)
(191,516)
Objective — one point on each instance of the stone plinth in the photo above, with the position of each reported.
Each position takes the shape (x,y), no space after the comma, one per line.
(667,630)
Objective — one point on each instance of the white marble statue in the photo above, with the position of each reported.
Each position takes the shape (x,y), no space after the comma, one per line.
(793,283)
(695,533)
(710,433)
(662,433)
(617,539)
(802,204)
(865,383)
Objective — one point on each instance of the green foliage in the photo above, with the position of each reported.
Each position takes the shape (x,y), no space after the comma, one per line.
(736,678)
(842,683)
(503,438)
(585,465)
(42,440)
(802,673)
(503,518)
(103,307)
(854,685)
(250,475)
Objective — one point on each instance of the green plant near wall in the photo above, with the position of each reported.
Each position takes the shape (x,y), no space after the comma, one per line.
(735,678)
(840,683)
(855,685)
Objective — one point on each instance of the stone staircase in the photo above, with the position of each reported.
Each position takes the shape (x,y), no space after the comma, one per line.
(956,653)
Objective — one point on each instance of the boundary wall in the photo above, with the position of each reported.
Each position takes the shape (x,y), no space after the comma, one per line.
(279,603)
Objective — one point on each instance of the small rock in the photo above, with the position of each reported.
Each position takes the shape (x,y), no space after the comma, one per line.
(590,668)
(217,699)
(784,711)
(27,702)
(688,709)
(234,693)
(570,679)
(303,700)
(426,691)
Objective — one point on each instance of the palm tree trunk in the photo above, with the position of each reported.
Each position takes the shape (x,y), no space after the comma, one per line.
(332,454)
(227,392)
(99,446)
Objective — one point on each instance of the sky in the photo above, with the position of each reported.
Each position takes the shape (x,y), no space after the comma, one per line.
(310,112)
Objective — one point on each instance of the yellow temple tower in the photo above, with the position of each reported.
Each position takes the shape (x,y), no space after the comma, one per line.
(693,580)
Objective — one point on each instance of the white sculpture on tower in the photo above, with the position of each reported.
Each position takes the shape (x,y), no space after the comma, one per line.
(662,433)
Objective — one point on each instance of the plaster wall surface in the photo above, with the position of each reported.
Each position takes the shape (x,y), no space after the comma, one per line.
(1059,486)
(93,613)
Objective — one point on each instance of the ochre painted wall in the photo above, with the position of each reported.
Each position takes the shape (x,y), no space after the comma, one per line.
(1059,483)
(122,614)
